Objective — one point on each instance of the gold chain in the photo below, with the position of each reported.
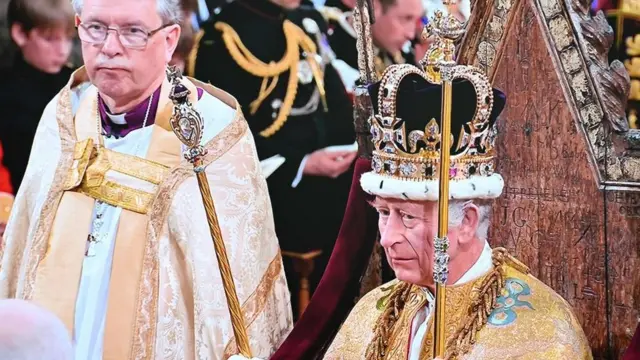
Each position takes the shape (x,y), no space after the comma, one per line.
(270,73)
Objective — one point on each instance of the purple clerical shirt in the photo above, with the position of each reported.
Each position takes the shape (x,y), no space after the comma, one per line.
(122,124)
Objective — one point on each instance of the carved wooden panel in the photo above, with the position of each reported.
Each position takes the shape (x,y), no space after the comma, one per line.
(596,90)
(540,217)
(622,228)
(570,208)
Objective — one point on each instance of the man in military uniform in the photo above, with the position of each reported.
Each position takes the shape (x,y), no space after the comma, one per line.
(396,28)
(298,111)
(495,309)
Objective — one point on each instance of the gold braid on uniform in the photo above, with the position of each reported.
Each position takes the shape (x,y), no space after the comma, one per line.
(193,55)
(296,40)
(377,348)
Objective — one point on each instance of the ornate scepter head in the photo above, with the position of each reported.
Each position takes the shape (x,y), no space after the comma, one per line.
(186,121)
(445,30)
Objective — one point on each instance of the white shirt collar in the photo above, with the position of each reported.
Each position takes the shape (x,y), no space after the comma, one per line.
(483,265)
(117,119)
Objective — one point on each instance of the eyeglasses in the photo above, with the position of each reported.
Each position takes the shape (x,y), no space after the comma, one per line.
(132,37)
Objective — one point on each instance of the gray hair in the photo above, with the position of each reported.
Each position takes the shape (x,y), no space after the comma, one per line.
(458,208)
(169,10)
(28,332)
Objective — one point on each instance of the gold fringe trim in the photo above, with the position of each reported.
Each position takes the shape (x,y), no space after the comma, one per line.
(377,348)
(461,341)
(483,303)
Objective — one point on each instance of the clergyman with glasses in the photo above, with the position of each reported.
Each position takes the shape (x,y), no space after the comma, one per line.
(109,229)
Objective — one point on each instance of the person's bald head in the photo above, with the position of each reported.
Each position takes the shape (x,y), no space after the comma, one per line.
(28,332)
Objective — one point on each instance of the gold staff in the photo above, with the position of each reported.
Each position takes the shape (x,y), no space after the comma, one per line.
(440,66)
(363,17)
(188,127)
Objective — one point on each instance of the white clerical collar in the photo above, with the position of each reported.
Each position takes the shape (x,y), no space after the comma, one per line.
(118,119)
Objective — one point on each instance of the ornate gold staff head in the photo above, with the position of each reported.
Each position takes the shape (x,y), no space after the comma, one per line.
(186,122)
(446,31)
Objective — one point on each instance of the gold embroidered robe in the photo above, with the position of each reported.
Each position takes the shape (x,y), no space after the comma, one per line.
(166,299)
(526,320)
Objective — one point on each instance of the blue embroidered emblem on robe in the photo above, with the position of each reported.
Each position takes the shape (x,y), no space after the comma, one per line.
(504,313)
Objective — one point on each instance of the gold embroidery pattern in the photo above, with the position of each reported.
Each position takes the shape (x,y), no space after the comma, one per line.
(145,324)
(378,347)
(356,333)
(38,246)
(137,167)
(225,140)
(121,196)
(81,156)
(549,330)
(399,342)
(92,169)
(254,305)
(483,301)
(468,308)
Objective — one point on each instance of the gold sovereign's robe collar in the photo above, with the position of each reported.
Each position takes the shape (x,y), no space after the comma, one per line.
(507,313)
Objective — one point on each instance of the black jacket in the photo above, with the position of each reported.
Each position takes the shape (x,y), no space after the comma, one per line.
(24,93)
(307,217)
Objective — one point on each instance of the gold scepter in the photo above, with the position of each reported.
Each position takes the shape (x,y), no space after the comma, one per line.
(363,17)
(188,126)
(440,66)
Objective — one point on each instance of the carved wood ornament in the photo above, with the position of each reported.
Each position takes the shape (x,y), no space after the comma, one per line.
(563,140)
(597,90)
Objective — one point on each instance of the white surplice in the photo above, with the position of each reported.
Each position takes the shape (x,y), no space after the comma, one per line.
(91,304)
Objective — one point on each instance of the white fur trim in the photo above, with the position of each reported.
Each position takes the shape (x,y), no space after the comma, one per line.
(476,187)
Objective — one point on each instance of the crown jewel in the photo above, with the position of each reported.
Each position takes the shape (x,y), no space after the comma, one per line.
(414,155)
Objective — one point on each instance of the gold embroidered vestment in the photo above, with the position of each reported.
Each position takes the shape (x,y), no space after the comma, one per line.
(522,318)
(164,292)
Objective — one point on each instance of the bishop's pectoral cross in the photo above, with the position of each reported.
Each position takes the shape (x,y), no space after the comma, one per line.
(95,236)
